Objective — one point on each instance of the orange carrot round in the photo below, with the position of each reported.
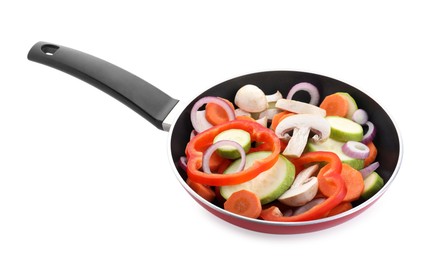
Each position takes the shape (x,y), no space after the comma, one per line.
(353,181)
(335,105)
(373,152)
(278,118)
(244,203)
(215,114)
(204,191)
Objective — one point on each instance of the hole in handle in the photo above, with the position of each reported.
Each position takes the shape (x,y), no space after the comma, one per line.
(49,49)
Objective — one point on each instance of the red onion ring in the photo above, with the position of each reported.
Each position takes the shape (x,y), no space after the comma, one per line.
(369,169)
(200,124)
(183,162)
(308,87)
(356,150)
(193,134)
(308,206)
(208,153)
(370,134)
(288,212)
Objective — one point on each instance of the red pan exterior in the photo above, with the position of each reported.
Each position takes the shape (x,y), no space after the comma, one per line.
(279,227)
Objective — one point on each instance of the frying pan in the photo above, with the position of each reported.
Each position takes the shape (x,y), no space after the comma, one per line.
(168,114)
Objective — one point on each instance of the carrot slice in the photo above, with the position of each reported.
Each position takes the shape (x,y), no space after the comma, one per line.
(353,181)
(244,203)
(277,118)
(342,207)
(335,105)
(215,114)
(204,191)
(373,152)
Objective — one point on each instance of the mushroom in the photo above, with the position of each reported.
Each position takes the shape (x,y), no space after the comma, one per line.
(271,99)
(262,121)
(303,189)
(304,175)
(269,113)
(302,125)
(271,103)
(251,99)
(299,107)
(302,194)
(241,112)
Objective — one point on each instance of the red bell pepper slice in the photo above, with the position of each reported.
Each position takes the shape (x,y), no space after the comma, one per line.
(259,134)
(331,172)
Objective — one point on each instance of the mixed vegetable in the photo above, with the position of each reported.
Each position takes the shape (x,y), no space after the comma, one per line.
(279,159)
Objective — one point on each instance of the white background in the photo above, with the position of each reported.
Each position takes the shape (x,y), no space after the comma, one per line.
(84,177)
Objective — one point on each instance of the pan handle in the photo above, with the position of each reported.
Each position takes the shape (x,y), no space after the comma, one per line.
(145,99)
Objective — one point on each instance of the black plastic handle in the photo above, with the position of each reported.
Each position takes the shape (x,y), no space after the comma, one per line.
(145,99)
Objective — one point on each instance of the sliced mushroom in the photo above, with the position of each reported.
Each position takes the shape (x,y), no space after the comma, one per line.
(271,99)
(303,189)
(269,113)
(304,175)
(302,125)
(299,107)
(300,195)
(262,121)
(241,112)
(251,99)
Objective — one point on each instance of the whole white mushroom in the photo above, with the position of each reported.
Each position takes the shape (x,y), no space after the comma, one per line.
(251,98)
